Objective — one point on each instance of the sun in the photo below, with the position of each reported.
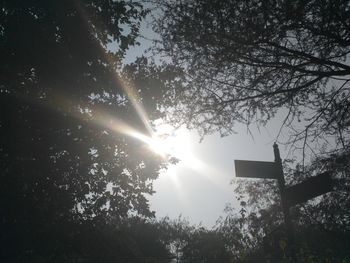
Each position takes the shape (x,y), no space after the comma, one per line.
(167,141)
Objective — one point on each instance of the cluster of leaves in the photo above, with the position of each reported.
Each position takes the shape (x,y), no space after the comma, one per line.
(189,243)
(132,240)
(66,161)
(70,183)
(258,237)
(246,62)
(243,61)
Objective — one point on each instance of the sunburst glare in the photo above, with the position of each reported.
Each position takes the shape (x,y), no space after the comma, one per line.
(166,141)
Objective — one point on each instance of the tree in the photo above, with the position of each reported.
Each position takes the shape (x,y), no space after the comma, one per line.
(243,61)
(190,243)
(247,61)
(65,112)
(132,239)
(205,246)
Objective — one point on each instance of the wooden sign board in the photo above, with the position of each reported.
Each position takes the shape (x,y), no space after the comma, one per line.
(254,169)
(308,189)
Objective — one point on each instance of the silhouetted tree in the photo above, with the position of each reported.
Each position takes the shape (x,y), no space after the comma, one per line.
(191,243)
(65,110)
(260,236)
(205,246)
(246,61)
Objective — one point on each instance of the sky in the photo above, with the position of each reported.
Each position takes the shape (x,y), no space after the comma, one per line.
(200,194)
(199,190)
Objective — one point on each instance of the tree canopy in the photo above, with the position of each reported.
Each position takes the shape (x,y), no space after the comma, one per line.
(73,173)
(67,113)
(246,60)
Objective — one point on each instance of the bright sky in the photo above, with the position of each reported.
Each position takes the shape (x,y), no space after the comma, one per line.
(198,188)
(200,191)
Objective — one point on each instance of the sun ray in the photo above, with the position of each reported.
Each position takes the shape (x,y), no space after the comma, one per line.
(123,83)
(163,140)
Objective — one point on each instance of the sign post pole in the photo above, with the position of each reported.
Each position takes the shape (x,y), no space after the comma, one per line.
(282,188)
(290,196)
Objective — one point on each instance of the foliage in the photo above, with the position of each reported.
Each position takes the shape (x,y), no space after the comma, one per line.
(189,243)
(133,240)
(255,232)
(65,114)
(261,237)
(248,62)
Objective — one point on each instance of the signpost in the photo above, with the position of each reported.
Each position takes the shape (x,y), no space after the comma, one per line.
(308,189)
(253,169)
(290,196)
